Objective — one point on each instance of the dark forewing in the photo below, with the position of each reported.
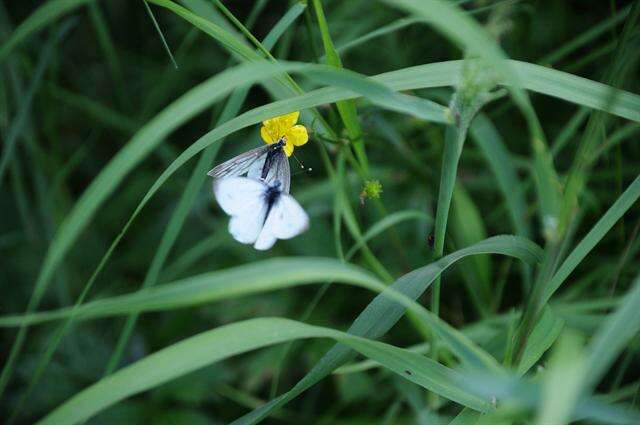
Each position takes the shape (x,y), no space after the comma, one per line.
(282,172)
(275,166)
(240,164)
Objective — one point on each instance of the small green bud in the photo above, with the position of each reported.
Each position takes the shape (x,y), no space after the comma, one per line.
(371,189)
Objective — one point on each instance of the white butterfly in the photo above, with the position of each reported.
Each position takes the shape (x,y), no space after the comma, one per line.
(267,163)
(260,213)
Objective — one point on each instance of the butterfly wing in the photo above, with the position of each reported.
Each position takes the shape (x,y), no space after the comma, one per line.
(243,199)
(285,219)
(278,170)
(240,164)
(281,172)
(238,194)
(246,227)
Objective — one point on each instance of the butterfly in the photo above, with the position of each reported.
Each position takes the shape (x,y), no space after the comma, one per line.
(261,213)
(267,163)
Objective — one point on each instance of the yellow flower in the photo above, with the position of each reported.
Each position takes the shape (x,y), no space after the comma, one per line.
(285,127)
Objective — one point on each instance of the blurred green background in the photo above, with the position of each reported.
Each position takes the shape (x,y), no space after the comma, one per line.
(82,78)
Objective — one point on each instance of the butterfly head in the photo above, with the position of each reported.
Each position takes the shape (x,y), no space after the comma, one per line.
(279,144)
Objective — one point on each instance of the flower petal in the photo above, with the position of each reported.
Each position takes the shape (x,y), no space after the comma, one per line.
(273,126)
(267,135)
(288,148)
(297,135)
(288,120)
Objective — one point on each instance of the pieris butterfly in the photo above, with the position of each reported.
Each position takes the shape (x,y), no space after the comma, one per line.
(260,213)
(267,163)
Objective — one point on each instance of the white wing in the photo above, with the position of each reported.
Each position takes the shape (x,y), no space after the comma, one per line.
(265,241)
(243,199)
(246,227)
(238,194)
(286,219)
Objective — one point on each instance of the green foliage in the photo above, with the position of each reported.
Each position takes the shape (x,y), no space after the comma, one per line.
(125,300)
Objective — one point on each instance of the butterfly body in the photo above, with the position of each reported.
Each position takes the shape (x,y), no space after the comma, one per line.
(275,150)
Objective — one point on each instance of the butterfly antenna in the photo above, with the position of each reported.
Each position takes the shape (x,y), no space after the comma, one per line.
(302,167)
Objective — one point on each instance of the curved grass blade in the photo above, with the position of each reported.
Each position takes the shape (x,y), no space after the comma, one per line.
(613,336)
(580,91)
(229,340)
(628,198)
(254,278)
(381,314)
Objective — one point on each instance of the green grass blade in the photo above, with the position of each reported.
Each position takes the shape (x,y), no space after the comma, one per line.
(96,111)
(22,116)
(379,316)
(160,34)
(273,274)
(218,344)
(584,38)
(613,336)
(222,35)
(384,224)
(544,334)
(111,55)
(501,163)
(386,29)
(467,228)
(578,90)
(595,235)
(454,138)
(346,108)
(206,9)
(563,378)
(422,348)
(259,277)
(283,24)
(41,18)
